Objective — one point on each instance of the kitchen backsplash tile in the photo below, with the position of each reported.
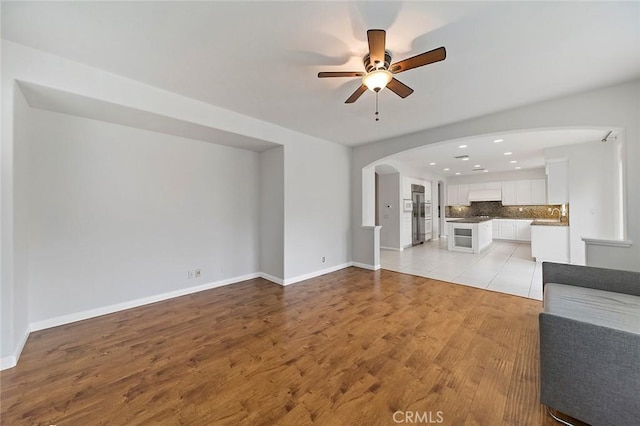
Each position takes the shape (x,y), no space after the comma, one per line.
(496,209)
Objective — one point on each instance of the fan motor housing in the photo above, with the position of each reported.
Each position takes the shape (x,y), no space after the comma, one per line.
(372,67)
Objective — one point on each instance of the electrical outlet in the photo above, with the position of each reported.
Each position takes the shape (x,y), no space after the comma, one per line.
(520,209)
(549,209)
(198,273)
(189,274)
(323,259)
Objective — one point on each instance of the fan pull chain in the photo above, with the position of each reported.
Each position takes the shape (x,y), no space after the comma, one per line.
(377,118)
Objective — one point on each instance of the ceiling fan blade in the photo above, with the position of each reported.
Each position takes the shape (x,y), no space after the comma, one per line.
(376,45)
(399,88)
(354,97)
(340,74)
(422,59)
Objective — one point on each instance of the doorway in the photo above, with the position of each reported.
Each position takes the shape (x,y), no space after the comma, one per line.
(441,218)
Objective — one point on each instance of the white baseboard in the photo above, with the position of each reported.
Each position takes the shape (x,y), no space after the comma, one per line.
(365,266)
(316,273)
(271,278)
(104,310)
(392,248)
(7,362)
(11,360)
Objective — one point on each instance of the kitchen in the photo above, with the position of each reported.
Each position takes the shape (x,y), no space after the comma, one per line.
(535,196)
(479,213)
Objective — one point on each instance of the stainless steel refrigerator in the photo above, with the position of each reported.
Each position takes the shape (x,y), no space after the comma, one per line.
(418,219)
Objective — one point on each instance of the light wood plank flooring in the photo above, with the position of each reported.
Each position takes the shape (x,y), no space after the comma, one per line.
(348,348)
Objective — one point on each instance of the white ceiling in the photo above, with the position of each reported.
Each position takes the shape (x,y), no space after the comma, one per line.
(261,58)
(527,150)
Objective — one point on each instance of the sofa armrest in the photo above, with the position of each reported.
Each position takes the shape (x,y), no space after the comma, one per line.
(618,281)
(588,371)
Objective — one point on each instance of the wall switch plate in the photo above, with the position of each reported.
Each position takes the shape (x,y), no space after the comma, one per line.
(323,259)
(198,273)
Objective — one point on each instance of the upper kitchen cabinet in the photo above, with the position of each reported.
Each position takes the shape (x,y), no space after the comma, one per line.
(558,182)
(524,192)
(458,195)
(509,193)
(538,191)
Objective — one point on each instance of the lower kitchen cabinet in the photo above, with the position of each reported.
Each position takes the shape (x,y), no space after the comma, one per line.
(512,229)
(550,243)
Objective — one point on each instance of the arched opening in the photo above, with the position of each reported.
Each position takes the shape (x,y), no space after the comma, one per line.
(596,178)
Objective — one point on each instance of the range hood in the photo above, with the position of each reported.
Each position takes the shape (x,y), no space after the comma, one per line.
(485,195)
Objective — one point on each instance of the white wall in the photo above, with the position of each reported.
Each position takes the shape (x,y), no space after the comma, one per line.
(14,314)
(272,213)
(317,213)
(316,193)
(389,210)
(592,195)
(616,106)
(119,214)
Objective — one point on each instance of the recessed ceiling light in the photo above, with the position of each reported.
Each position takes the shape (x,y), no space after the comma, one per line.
(457,173)
(446,170)
(518,168)
(498,140)
(486,171)
(432,164)
(477,165)
(508,153)
(462,146)
(513,161)
(465,159)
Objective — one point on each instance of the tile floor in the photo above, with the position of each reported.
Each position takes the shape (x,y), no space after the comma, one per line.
(506,267)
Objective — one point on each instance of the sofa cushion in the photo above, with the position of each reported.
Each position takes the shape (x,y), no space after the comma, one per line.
(608,309)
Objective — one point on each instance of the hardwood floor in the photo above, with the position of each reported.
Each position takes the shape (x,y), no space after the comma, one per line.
(351,347)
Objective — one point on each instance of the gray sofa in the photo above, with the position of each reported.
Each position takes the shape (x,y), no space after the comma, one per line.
(590,343)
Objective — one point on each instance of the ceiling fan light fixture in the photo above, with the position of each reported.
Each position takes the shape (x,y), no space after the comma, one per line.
(377,80)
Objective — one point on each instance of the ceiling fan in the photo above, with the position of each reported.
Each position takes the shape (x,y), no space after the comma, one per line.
(379,71)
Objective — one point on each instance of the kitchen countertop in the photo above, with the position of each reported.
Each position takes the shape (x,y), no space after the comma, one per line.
(537,222)
(470,220)
(548,223)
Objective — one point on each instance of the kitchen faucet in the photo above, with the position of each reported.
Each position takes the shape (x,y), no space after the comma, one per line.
(559,212)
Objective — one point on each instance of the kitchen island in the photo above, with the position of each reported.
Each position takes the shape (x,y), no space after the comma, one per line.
(550,241)
(470,235)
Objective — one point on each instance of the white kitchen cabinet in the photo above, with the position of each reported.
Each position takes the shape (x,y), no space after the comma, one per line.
(512,229)
(496,228)
(508,229)
(493,185)
(458,195)
(428,230)
(538,191)
(469,237)
(452,195)
(427,192)
(484,235)
(463,194)
(476,186)
(523,192)
(509,193)
(523,230)
(557,182)
(550,243)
